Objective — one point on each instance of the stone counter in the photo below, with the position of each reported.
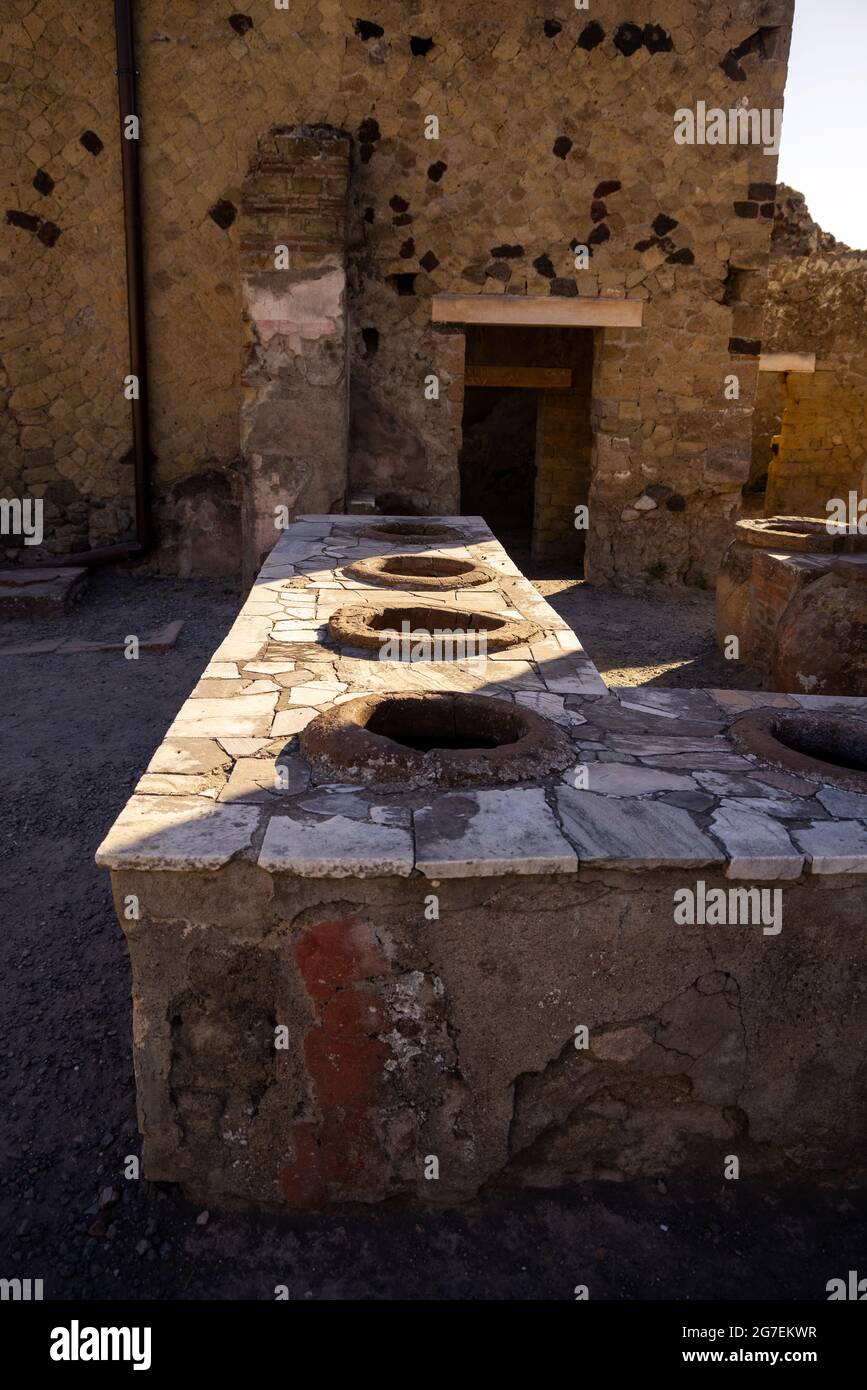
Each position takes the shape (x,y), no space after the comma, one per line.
(349,992)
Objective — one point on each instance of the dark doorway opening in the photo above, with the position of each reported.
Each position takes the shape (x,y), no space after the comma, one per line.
(525,457)
(498,460)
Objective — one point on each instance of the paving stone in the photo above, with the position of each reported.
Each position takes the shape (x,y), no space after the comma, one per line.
(781,781)
(243,747)
(642,708)
(655,745)
(632,834)
(336,848)
(742,784)
(32,648)
(833,704)
(737,700)
(245,716)
(172,784)
(485,833)
(176,832)
(694,705)
(210,689)
(689,801)
(260,687)
(579,683)
(794,808)
(299,652)
(695,762)
(549,706)
(845,804)
(629,779)
(346,802)
(221,670)
(292,721)
(518,675)
(315,693)
(245,640)
(756,846)
(40,591)
(835,847)
(189,755)
(255,780)
(163,639)
(266,668)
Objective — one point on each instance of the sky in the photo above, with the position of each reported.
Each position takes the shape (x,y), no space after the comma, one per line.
(822,151)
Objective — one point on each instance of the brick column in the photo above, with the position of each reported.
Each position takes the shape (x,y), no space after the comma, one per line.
(295,407)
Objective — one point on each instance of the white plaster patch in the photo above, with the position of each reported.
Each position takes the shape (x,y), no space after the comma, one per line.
(307,309)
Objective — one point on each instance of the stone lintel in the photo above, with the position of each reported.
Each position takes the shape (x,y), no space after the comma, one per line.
(787,362)
(524,311)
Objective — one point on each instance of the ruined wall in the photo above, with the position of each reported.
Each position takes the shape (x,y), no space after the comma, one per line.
(767,419)
(552,132)
(459,1041)
(295,407)
(816,296)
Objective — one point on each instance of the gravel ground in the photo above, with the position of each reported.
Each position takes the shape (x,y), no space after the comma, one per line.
(77,733)
(663,637)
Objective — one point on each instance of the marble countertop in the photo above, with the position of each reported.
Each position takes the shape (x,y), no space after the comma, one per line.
(656,782)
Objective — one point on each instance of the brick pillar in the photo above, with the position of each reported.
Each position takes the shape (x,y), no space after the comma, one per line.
(563,443)
(295,407)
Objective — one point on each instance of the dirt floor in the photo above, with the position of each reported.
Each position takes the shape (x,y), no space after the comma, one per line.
(77,733)
(663,637)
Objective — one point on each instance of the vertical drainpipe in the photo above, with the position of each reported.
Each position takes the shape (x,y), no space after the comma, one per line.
(135,300)
(129,154)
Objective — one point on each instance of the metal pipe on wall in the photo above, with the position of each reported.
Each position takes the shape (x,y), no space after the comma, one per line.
(124,25)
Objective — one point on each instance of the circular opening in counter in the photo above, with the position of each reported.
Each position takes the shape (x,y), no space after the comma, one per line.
(419,572)
(799,533)
(824,747)
(414,632)
(443,739)
(413,531)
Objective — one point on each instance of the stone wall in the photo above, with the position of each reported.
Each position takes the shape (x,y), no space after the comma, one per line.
(552,132)
(295,407)
(816,297)
(455,1041)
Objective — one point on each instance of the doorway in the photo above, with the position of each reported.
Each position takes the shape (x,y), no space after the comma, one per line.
(525,456)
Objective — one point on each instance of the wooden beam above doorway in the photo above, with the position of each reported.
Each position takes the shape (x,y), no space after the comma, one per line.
(536,311)
(541,378)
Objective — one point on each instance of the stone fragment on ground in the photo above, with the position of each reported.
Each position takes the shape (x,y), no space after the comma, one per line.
(40,591)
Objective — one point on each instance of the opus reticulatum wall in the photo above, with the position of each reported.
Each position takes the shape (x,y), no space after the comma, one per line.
(553,133)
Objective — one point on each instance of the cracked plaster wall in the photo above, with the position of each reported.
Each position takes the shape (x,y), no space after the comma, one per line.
(410,1037)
